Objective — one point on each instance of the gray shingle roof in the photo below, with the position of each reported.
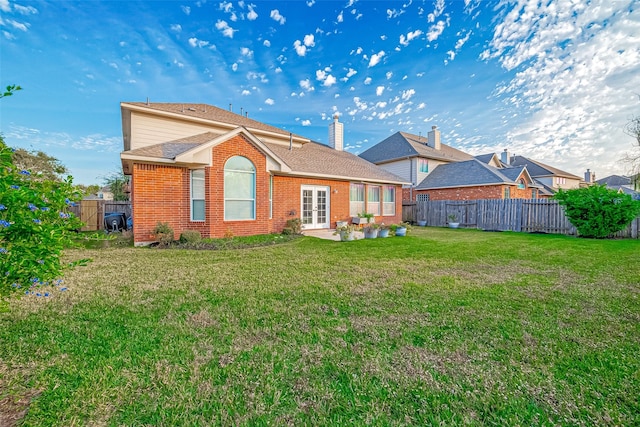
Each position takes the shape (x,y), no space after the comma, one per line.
(614,180)
(467,173)
(537,168)
(403,144)
(310,159)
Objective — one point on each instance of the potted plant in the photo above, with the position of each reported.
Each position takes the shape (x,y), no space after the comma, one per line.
(363,218)
(341,224)
(346,232)
(371,231)
(402,229)
(383,231)
(422,222)
(453,221)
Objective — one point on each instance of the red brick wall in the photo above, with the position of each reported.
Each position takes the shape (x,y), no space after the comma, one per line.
(475,193)
(162,194)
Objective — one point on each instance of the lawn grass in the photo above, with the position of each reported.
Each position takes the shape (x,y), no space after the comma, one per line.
(454,327)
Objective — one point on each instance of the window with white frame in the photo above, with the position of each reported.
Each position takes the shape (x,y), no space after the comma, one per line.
(422,197)
(356,199)
(507,192)
(197,195)
(239,189)
(388,200)
(423,165)
(521,184)
(534,193)
(560,180)
(373,199)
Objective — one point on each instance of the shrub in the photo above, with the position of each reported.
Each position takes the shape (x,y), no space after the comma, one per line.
(35,226)
(190,236)
(164,233)
(597,211)
(294,226)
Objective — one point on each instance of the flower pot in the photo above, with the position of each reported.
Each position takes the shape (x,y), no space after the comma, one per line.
(454,224)
(347,236)
(370,233)
(401,231)
(383,232)
(341,224)
(422,223)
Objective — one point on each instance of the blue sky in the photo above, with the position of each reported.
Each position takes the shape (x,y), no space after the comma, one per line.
(553,80)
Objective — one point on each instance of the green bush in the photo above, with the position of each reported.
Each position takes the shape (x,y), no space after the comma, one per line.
(597,211)
(35,226)
(190,236)
(164,233)
(294,226)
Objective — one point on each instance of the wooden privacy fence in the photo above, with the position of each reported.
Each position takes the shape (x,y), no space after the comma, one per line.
(537,215)
(91,212)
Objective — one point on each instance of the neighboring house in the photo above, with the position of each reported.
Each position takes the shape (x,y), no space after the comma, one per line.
(622,184)
(413,157)
(105,193)
(198,167)
(552,179)
(474,179)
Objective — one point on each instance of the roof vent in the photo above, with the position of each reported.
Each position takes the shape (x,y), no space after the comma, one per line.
(191,109)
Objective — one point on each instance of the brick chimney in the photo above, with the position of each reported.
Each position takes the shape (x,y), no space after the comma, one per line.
(336,138)
(589,177)
(433,138)
(505,157)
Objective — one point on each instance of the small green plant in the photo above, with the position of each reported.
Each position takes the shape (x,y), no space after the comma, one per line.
(452,218)
(294,226)
(368,216)
(164,233)
(190,236)
(597,211)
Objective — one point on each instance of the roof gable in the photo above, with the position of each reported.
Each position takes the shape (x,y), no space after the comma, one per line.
(464,174)
(538,169)
(402,145)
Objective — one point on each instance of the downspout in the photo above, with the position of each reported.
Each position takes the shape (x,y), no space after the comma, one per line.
(290,141)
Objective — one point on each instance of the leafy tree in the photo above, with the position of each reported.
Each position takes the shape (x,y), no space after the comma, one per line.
(11,89)
(597,211)
(35,226)
(41,165)
(88,190)
(118,183)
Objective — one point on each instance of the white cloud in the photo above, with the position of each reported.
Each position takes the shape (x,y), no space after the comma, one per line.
(269,101)
(5,6)
(18,25)
(176,27)
(381,104)
(421,106)
(379,90)
(576,70)
(194,42)
(350,73)
(278,70)
(309,40)
(394,13)
(245,92)
(306,123)
(225,29)
(340,16)
(408,94)
(404,40)
(306,85)
(329,81)
(275,15)
(462,41)
(8,35)
(301,49)
(23,10)
(225,6)
(321,75)
(367,81)
(234,66)
(245,51)
(435,31)
(252,15)
(186,10)
(388,75)
(311,2)
(438,9)
(266,43)
(376,58)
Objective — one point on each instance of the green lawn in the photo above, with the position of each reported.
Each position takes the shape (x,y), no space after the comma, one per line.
(453,327)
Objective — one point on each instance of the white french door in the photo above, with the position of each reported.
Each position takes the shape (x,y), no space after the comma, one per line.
(315,206)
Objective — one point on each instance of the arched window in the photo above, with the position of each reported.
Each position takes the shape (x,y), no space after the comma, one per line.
(521,184)
(239,189)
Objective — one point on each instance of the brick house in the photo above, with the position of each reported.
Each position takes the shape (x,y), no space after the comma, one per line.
(475,179)
(413,157)
(199,167)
